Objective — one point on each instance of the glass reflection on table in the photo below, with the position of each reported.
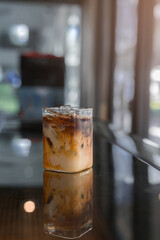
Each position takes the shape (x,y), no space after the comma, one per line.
(68,203)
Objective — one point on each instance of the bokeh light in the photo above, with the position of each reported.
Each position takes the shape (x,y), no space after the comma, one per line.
(29,206)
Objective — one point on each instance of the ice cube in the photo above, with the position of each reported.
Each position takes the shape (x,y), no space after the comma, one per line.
(65,107)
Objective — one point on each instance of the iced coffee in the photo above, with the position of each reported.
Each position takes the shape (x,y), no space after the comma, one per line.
(67,139)
(68,203)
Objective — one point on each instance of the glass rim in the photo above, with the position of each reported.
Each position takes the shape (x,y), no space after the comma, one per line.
(68,110)
(67,107)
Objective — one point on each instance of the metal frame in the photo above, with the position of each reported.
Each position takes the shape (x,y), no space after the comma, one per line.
(88,66)
(98,37)
(140,119)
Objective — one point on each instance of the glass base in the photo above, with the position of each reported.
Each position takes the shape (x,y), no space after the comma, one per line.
(68,233)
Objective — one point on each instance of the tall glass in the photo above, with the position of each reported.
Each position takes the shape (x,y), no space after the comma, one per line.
(67,139)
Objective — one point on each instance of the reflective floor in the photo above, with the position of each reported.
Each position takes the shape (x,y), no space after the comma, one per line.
(118,199)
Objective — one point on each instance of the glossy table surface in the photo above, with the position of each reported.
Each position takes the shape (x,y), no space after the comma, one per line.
(125,191)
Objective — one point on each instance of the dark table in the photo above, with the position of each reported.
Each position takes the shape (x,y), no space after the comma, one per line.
(126,187)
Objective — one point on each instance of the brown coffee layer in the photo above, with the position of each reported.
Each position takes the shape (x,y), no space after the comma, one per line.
(67,143)
(71,123)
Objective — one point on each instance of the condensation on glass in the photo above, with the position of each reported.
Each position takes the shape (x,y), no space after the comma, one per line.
(67,139)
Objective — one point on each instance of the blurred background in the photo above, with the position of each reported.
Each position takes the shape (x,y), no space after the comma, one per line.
(92,53)
(86,53)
